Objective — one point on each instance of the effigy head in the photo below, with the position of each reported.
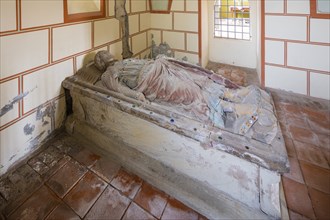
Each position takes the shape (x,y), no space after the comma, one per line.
(102,60)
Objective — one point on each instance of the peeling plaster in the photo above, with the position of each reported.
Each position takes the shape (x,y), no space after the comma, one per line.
(15,100)
(28,129)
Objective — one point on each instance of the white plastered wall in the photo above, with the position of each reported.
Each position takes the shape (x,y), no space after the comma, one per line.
(232,51)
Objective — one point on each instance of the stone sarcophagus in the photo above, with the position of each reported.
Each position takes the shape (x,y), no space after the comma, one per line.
(217,172)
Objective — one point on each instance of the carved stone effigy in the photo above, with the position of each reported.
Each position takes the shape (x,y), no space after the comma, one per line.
(228,170)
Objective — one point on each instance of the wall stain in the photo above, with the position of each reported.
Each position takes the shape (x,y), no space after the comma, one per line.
(28,129)
(4,110)
(48,112)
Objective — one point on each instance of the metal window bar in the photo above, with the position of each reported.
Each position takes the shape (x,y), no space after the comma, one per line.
(226,22)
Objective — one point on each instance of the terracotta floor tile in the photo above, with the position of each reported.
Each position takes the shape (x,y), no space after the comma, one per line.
(127,183)
(289,146)
(50,156)
(85,193)
(65,178)
(296,216)
(297,198)
(177,210)
(303,135)
(110,205)
(136,212)
(311,154)
(295,171)
(321,203)
(87,157)
(38,165)
(106,169)
(62,212)
(326,154)
(151,199)
(324,141)
(316,177)
(8,190)
(38,206)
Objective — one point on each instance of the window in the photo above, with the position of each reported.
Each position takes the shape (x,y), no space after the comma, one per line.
(232,19)
(80,10)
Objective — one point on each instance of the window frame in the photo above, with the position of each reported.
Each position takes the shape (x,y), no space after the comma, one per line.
(313,11)
(85,15)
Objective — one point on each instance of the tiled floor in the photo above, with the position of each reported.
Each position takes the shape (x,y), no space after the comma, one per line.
(305,125)
(68,181)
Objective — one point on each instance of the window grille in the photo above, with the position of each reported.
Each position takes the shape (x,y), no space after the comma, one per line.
(232,19)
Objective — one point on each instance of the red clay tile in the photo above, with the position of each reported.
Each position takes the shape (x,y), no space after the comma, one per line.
(289,146)
(87,157)
(295,171)
(310,153)
(296,216)
(106,168)
(303,135)
(127,183)
(62,212)
(85,193)
(326,154)
(151,199)
(38,206)
(38,166)
(110,205)
(177,210)
(136,212)
(324,141)
(66,178)
(50,156)
(321,203)
(297,198)
(316,177)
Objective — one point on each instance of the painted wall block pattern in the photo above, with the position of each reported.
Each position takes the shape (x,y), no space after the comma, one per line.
(50,11)
(8,14)
(9,92)
(176,40)
(71,39)
(192,5)
(274,52)
(274,6)
(286,27)
(144,21)
(106,31)
(286,79)
(320,30)
(139,42)
(298,6)
(193,58)
(133,21)
(178,5)
(320,85)
(116,50)
(192,42)
(309,56)
(186,22)
(164,19)
(45,84)
(22,52)
(138,5)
